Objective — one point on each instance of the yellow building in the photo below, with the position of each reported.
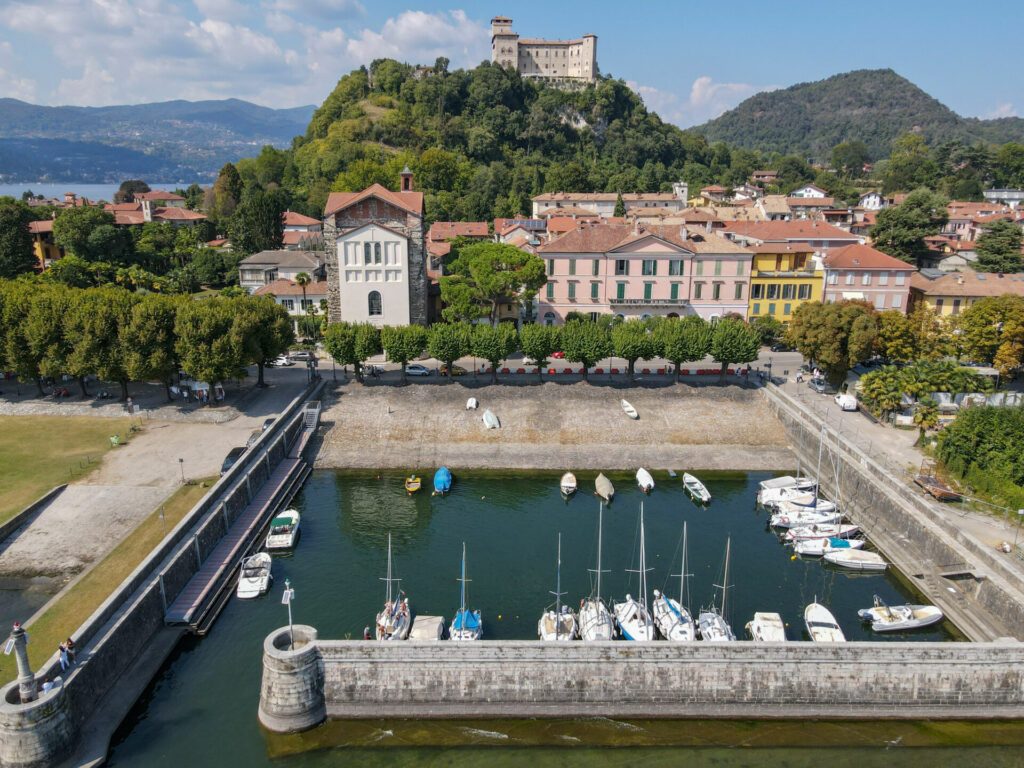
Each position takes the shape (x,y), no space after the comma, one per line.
(45,250)
(784,276)
(950,293)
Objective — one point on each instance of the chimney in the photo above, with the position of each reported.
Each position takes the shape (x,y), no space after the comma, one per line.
(406,179)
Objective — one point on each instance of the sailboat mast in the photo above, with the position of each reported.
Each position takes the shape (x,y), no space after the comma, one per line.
(600,519)
(388,599)
(463,581)
(817,474)
(725,581)
(643,561)
(682,571)
(558,586)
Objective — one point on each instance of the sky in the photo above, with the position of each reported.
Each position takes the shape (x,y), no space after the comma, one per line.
(690,61)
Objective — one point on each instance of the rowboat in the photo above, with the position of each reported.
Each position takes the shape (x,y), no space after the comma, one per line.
(897,618)
(490,420)
(568,484)
(442,481)
(629,409)
(821,547)
(472,404)
(644,480)
(603,488)
(412,484)
(696,488)
(284,530)
(767,628)
(254,580)
(821,624)
(857,560)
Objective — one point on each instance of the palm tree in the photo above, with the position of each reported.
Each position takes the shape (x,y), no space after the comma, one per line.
(302,280)
(926,415)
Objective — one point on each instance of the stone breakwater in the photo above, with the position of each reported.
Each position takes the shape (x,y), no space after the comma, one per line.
(316,679)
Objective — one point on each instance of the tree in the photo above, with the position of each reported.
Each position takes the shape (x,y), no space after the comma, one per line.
(126,192)
(206,346)
(493,343)
(352,344)
(683,341)
(910,165)
(226,194)
(490,274)
(538,343)
(92,330)
(733,341)
(44,330)
(302,280)
(403,343)
(257,224)
(16,255)
(849,158)
(900,230)
(768,328)
(926,415)
(999,248)
(73,231)
(989,324)
(20,356)
(262,330)
(632,341)
(932,338)
(620,206)
(836,336)
(148,340)
(896,340)
(448,342)
(586,342)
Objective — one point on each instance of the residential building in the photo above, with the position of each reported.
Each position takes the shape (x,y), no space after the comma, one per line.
(809,190)
(747,192)
(563,62)
(1010,197)
(45,249)
(962,215)
(643,271)
(376,255)
(290,295)
(774,208)
(861,272)
(302,232)
(764,177)
(603,203)
(782,277)
(808,206)
(817,234)
(267,267)
(714,193)
(158,198)
(144,211)
(950,293)
(439,239)
(871,201)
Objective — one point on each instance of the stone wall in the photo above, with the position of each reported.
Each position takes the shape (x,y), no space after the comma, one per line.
(617,679)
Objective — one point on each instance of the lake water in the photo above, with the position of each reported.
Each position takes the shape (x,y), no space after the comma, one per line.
(201,709)
(90,191)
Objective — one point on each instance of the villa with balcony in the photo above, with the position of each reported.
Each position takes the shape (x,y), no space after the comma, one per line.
(784,276)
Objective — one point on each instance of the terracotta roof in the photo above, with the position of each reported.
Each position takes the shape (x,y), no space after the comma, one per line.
(438,247)
(967,283)
(714,189)
(122,207)
(567,210)
(293,219)
(959,209)
(156,195)
(694,214)
(810,202)
(864,257)
(216,242)
(608,237)
(802,230)
(781,248)
(558,225)
(128,218)
(635,197)
(775,204)
(298,236)
(288,288)
(40,227)
(177,214)
(301,259)
(653,211)
(407,201)
(443,230)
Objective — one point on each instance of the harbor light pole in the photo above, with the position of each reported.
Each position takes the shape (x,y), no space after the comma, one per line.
(181,466)
(286,599)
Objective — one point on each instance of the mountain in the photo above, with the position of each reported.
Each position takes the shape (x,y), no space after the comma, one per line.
(170,140)
(872,105)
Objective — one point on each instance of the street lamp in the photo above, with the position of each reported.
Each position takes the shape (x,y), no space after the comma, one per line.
(181,466)
(768,365)
(286,599)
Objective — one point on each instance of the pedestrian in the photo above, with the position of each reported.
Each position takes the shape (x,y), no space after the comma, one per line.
(70,645)
(366,633)
(65,662)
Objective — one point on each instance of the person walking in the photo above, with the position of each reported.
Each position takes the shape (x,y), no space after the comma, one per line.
(65,662)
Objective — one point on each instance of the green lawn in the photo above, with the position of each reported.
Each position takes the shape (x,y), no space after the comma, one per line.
(79,602)
(39,452)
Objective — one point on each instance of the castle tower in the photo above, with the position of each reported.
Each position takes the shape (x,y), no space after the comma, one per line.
(504,42)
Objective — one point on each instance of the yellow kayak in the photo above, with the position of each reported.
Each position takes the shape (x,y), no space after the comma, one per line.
(412,484)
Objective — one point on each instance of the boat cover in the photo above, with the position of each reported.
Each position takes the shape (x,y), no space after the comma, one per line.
(466,620)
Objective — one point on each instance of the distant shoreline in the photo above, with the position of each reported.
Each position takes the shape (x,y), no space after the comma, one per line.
(93,191)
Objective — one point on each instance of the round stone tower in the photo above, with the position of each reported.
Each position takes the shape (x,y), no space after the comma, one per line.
(292,693)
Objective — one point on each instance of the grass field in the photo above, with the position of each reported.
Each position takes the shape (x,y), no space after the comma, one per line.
(89,592)
(39,452)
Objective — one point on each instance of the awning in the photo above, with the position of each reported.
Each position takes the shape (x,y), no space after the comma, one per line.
(853,295)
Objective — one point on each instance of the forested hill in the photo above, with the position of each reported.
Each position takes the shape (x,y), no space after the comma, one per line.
(871,105)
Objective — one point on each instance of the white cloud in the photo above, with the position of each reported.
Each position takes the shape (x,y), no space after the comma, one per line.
(11,84)
(420,37)
(1003,109)
(706,100)
(324,9)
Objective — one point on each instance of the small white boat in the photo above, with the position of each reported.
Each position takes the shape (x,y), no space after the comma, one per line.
(821,547)
(603,487)
(490,420)
(472,404)
(795,495)
(768,489)
(254,577)
(898,618)
(595,618)
(427,628)
(284,530)
(830,531)
(798,520)
(568,484)
(557,623)
(629,410)
(395,619)
(810,505)
(644,480)
(711,622)
(767,628)
(821,624)
(696,489)
(856,560)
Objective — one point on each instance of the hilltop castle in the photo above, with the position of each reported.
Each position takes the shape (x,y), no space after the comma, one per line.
(555,61)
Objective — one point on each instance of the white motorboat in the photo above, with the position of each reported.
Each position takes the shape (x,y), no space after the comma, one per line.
(767,628)
(711,622)
(810,505)
(567,485)
(255,577)
(558,622)
(644,480)
(856,560)
(472,404)
(830,531)
(803,520)
(821,547)
(284,530)
(629,410)
(697,490)
(899,618)
(395,619)
(595,618)
(797,496)
(603,488)
(768,489)
(467,624)
(427,628)
(632,616)
(674,622)
(490,420)
(822,625)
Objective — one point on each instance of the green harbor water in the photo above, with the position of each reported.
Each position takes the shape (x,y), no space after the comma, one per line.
(201,708)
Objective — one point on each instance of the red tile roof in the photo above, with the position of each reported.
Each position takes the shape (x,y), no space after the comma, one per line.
(602,238)
(288,288)
(800,229)
(968,284)
(156,195)
(293,219)
(810,202)
(177,214)
(298,236)
(122,207)
(407,201)
(444,230)
(216,242)
(567,210)
(864,257)
(40,227)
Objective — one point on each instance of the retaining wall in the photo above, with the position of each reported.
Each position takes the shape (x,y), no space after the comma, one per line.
(358,679)
(23,517)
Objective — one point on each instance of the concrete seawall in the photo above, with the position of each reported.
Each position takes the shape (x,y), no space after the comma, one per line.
(358,679)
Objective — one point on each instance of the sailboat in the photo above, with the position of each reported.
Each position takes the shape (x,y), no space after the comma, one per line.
(595,619)
(558,623)
(632,616)
(711,622)
(395,621)
(674,621)
(467,625)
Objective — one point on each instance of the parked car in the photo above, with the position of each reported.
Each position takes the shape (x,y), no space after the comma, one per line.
(281,361)
(255,435)
(457,370)
(301,355)
(558,355)
(821,386)
(781,346)
(268,423)
(417,369)
(846,402)
(231,459)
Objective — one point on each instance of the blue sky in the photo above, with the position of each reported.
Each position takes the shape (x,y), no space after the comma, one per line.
(690,61)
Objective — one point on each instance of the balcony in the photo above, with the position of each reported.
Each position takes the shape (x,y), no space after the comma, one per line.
(648,302)
(786,273)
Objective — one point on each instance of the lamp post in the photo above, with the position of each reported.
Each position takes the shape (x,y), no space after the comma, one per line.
(181,466)
(1020,515)
(286,599)
(768,365)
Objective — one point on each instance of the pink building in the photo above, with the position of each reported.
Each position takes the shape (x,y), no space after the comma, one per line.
(637,271)
(861,272)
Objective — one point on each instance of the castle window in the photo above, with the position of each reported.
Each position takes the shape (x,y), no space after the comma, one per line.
(376,307)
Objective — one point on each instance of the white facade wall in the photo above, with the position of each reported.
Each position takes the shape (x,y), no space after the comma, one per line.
(374,260)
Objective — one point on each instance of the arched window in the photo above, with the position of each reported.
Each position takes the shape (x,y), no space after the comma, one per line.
(673,315)
(376,307)
(549,318)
